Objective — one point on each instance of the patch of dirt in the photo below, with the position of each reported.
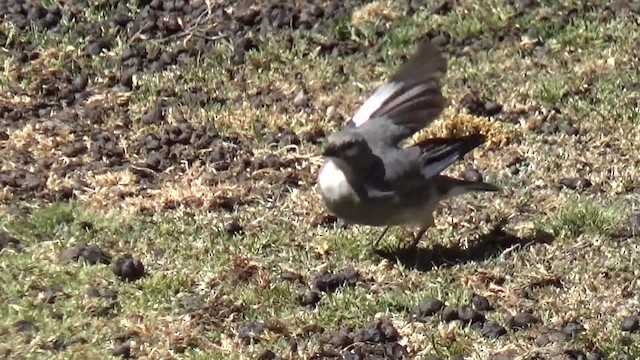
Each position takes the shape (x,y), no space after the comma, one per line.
(549,338)
(478,106)
(47,295)
(630,323)
(292,276)
(59,120)
(99,167)
(9,241)
(26,326)
(57,344)
(522,320)
(163,20)
(102,292)
(267,355)
(91,253)
(565,334)
(377,340)
(254,332)
(327,281)
(104,307)
(243,269)
(69,103)
(426,308)
(211,313)
(576,183)
(631,227)
(122,350)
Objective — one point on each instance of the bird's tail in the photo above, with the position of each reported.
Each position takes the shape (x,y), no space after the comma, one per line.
(438,154)
(449,187)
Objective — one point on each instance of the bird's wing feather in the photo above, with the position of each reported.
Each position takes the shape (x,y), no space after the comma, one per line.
(413,167)
(449,187)
(437,154)
(379,194)
(410,100)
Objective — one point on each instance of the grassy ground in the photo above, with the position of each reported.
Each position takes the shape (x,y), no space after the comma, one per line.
(198,157)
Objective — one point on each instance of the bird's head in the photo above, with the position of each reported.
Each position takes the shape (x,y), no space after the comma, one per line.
(346,145)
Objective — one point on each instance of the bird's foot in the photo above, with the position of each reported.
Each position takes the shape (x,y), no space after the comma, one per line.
(374,245)
(416,239)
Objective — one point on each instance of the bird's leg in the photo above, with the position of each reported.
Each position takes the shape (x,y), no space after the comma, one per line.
(416,239)
(375,243)
(429,223)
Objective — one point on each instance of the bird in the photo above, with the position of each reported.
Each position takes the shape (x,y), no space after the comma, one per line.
(370,177)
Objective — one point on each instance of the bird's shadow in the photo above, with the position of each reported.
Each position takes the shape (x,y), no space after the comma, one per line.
(484,247)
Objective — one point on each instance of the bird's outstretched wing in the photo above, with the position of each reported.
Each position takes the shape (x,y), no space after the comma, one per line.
(409,101)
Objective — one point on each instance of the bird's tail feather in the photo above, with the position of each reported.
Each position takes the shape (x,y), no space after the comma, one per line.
(438,153)
(449,187)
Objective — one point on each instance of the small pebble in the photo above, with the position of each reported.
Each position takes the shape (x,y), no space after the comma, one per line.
(80,83)
(631,227)
(576,354)
(630,323)
(576,183)
(468,314)
(249,332)
(126,79)
(427,307)
(301,99)
(596,355)
(153,116)
(542,340)
(472,175)
(522,320)
(310,298)
(342,338)
(481,303)
(122,350)
(573,328)
(449,314)
(128,268)
(442,7)
(571,130)
(272,161)
(57,314)
(324,220)
(267,355)
(291,276)
(25,326)
(492,329)
(492,108)
(233,227)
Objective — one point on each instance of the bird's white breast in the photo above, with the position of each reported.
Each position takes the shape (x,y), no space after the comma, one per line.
(333,182)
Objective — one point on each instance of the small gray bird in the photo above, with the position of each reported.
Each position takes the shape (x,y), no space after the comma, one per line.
(370,178)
